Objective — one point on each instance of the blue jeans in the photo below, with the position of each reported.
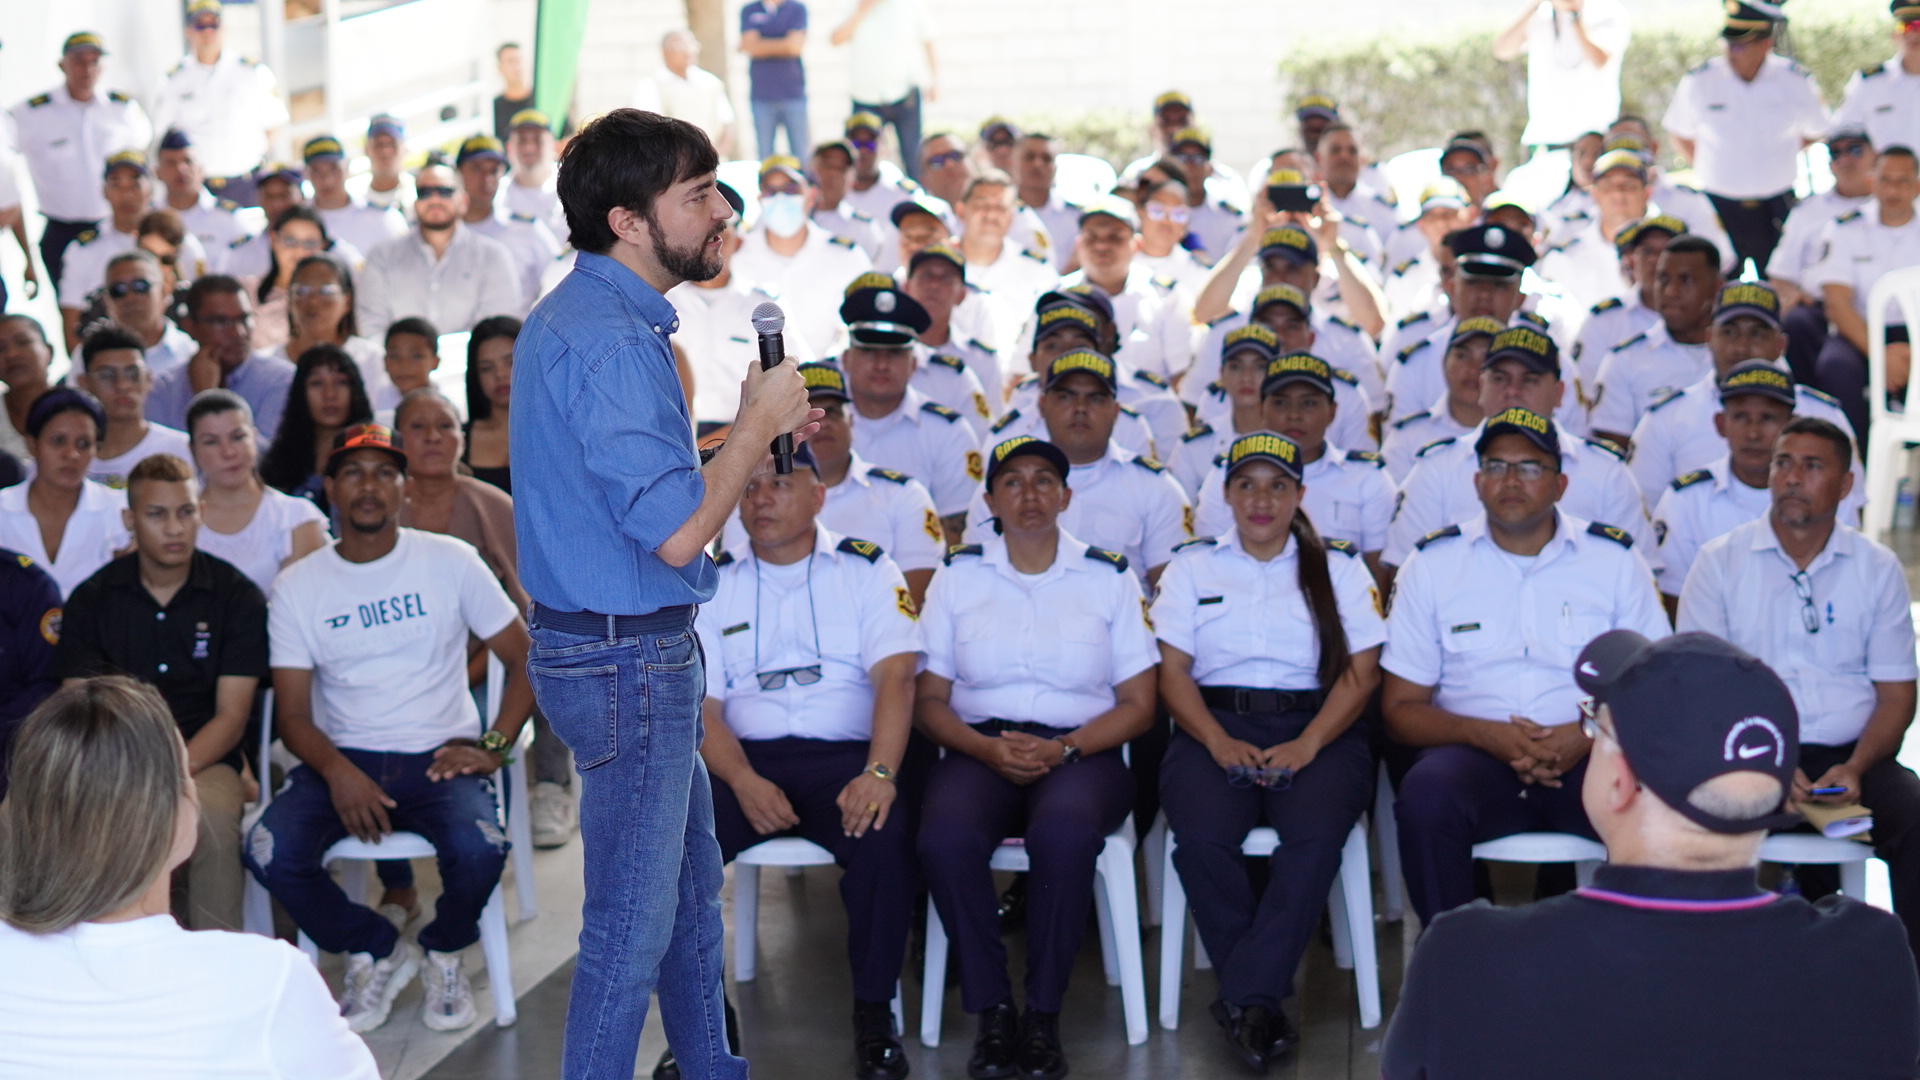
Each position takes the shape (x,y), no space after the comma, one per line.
(904,115)
(629,707)
(790,113)
(460,817)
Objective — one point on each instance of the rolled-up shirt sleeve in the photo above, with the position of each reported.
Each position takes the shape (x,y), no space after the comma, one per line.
(625,418)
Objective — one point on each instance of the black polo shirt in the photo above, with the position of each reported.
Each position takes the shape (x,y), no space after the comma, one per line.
(1660,973)
(215,625)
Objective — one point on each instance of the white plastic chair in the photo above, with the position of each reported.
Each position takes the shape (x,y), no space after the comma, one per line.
(1350,905)
(1811,849)
(1080,177)
(795,854)
(1386,836)
(1546,847)
(450,378)
(1114,902)
(256,905)
(1891,431)
(519,818)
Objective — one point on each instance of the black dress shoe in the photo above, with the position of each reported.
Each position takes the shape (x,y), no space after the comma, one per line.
(668,1069)
(994,1047)
(1246,1031)
(1282,1036)
(877,1052)
(1040,1055)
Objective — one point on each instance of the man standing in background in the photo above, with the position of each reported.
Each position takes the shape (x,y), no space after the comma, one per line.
(686,91)
(516,89)
(1573,50)
(773,33)
(886,75)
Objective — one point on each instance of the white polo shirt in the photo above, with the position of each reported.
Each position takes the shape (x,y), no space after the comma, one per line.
(1742,589)
(1044,648)
(1496,635)
(1747,135)
(929,442)
(845,607)
(1246,623)
(889,508)
(1154,324)
(1122,503)
(1887,101)
(1641,372)
(1349,497)
(1861,250)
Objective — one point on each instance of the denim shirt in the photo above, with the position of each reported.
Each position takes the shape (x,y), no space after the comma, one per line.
(603,456)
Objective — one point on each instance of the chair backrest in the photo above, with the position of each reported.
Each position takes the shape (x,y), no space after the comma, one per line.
(450,378)
(1900,287)
(263,771)
(1080,177)
(496,686)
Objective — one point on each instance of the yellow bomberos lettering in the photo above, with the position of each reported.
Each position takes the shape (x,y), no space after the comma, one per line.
(871,281)
(1082,359)
(1752,295)
(1263,444)
(1521,418)
(1071,314)
(1254,332)
(1526,338)
(1285,237)
(1761,377)
(1306,362)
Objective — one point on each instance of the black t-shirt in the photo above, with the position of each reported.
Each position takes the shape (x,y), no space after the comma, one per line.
(215,625)
(1660,973)
(503,109)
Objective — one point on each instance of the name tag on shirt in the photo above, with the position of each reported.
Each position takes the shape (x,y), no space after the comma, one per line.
(732,630)
(1464,628)
(1205,600)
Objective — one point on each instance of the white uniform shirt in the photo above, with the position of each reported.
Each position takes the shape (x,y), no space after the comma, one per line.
(1122,503)
(476,278)
(1142,394)
(716,333)
(811,283)
(1062,219)
(541,202)
(67,144)
(84,266)
(220,226)
(1567,94)
(892,509)
(1439,492)
(847,596)
(1586,265)
(698,97)
(1696,508)
(1887,101)
(1417,373)
(1742,589)
(1802,239)
(846,222)
(1344,346)
(365,227)
(878,201)
(889,48)
(1018,277)
(1216,222)
(928,442)
(226,108)
(1155,326)
(1861,250)
(1188,274)
(1496,635)
(1641,372)
(1349,497)
(1676,436)
(95,532)
(400,197)
(1044,648)
(1747,135)
(946,376)
(1610,323)
(1246,622)
(533,246)
(1130,431)
(1409,435)
(1352,417)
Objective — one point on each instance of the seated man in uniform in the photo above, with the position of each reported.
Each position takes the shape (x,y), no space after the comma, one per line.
(1287,311)
(1652,970)
(800,743)
(1634,311)
(1487,618)
(1827,608)
(1670,355)
(1452,416)
(1151,421)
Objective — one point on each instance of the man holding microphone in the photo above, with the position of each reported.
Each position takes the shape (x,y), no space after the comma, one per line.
(614,519)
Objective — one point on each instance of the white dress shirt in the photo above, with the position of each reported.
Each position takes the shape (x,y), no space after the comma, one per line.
(945,377)
(928,442)
(476,278)
(1246,622)
(67,144)
(1344,346)
(1861,249)
(1120,502)
(174,348)
(1409,435)
(1696,508)
(1154,324)
(1886,99)
(1349,497)
(1496,635)
(698,97)
(1747,135)
(220,226)
(1587,265)
(226,107)
(1567,93)
(716,333)
(84,266)
(1610,323)
(1677,436)
(889,508)
(811,283)
(1642,371)
(889,51)
(1803,237)
(1743,588)
(1017,277)
(94,532)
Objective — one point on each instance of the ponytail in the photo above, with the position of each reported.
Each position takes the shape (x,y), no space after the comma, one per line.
(1316,585)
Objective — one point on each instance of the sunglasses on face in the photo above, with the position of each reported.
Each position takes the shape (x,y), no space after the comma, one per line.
(204,24)
(941,161)
(119,289)
(865,145)
(434,192)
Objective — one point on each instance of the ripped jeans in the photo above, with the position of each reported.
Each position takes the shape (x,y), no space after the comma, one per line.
(460,817)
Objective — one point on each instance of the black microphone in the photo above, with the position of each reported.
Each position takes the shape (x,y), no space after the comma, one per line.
(768,322)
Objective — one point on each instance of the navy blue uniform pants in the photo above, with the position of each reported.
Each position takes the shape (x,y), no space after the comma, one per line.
(882,876)
(1256,942)
(1065,817)
(1457,796)
(1754,225)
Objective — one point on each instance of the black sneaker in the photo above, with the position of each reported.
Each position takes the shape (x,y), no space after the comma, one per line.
(1246,1031)
(877,1052)
(994,1047)
(668,1069)
(1040,1055)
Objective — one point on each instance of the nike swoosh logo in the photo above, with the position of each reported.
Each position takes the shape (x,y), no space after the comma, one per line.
(1753,751)
(1588,669)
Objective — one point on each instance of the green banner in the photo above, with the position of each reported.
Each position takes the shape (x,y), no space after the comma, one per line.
(556,57)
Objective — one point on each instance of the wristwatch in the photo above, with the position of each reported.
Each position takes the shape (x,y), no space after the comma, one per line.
(1071,754)
(495,743)
(881,771)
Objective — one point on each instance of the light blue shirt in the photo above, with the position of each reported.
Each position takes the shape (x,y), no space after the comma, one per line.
(261,379)
(604,465)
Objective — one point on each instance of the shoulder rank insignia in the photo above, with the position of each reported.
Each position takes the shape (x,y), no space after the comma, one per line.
(1606,305)
(1151,379)
(38,100)
(1338,321)
(1344,547)
(958,550)
(1127,410)
(1818,395)
(889,475)
(905,184)
(1343,375)
(866,549)
(1850,216)
(239,242)
(1164,282)
(1435,445)
(1699,67)
(1405,420)
(947,361)
(1149,464)
(1697,476)
(1223,318)
(1618,536)
(1368,457)
(940,411)
(723,558)
(1419,316)
(842,241)
(1197,431)
(1406,354)
(1112,558)
(1606,448)
(24,560)
(1035,256)
(1001,424)
(1878,69)
(983,346)
(117,96)
(1630,342)
(1198,541)
(1437,534)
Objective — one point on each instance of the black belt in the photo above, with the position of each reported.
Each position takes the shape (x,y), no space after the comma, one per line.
(995,726)
(1250,699)
(590,623)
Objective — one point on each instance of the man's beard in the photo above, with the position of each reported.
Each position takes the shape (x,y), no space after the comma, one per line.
(691,264)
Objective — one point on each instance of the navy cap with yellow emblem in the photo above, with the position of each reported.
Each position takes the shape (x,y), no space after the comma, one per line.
(1173,99)
(1081,361)
(322,148)
(782,165)
(127,159)
(1086,297)
(1191,136)
(999,129)
(533,118)
(1026,446)
(1491,252)
(1254,338)
(879,316)
(1477,327)
(1633,232)
(1525,423)
(1747,298)
(938,253)
(1298,367)
(175,139)
(918,204)
(281,171)
(1290,242)
(1621,160)
(84,39)
(480,148)
(1062,317)
(1283,294)
(1763,378)
(862,121)
(1527,346)
(825,380)
(1316,103)
(1270,447)
(1751,20)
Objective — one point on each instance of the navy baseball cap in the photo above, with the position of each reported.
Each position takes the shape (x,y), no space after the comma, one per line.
(1077,361)
(1747,298)
(1292,242)
(1692,708)
(384,124)
(1526,423)
(1761,377)
(175,139)
(1255,338)
(1022,446)
(1630,234)
(1527,345)
(1283,294)
(825,380)
(1298,367)
(1266,446)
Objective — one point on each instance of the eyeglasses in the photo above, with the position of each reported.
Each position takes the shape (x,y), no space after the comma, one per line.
(119,289)
(1852,149)
(434,191)
(1246,776)
(1809,615)
(1191,159)
(301,245)
(204,24)
(307,292)
(222,322)
(1497,469)
(113,376)
(865,144)
(1475,169)
(1179,215)
(941,161)
(801,676)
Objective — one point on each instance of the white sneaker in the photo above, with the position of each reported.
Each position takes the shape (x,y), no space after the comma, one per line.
(373,984)
(551,807)
(449,1005)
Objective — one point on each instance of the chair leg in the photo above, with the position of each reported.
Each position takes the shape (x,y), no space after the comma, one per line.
(520,833)
(1583,871)
(258,908)
(1853,879)
(1356,888)
(1342,926)
(746,920)
(933,985)
(357,883)
(1116,874)
(1386,831)
(1151,850)
(900,1007)
(1173,937)
(1103,914)
(493,944)
(307,946)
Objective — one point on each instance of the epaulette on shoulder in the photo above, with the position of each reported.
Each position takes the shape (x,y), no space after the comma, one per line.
(940,411)
(1345,547)
(723,558)
(1151,379)
(1217,388)
(1026,380)
(1697,476)
(1036,256)
(227,204)
(1535,318)
(866,549)
(958,550)
(1877,69)
(1820,396)
(118,97)
(175,69)
(983,346)
(1798,68)
(1338,321)
(1699,67)
(1437,534)
(1666,401)
(1435,445)
(1609,532)
(1001,424)
(1164,283)
(945,360)
(1405,420)
(1406,354)
(1357,220)
(249,61)
(1630,342)
(1606,305)
(1664,396)
(1851,216)
(1606,448)
(1221,319)
(1198,541)
(1127,410)
(1344,375)
(1401,270)
(87,236)
(1111,558)
(1197,431)
(1149,464)
(1367,457)
(842,241)
(858,216)
(1552,248)
(522,217)
(238,242)
(908,184)
(1417,316)
(38,100)
(889,475)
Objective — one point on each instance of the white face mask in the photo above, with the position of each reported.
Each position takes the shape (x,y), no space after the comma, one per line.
(784,214)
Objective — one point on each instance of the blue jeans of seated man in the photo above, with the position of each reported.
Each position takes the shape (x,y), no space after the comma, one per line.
(460,817)
(790,113)
(629,707)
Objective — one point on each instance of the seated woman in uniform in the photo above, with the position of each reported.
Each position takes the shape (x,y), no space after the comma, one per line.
(1269,647)
(1039,667)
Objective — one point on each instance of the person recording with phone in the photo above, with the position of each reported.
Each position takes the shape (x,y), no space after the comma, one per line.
(617,512)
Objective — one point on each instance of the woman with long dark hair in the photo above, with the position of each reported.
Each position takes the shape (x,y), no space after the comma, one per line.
(320,306)
(1269,647)
(489,388)
(326,398)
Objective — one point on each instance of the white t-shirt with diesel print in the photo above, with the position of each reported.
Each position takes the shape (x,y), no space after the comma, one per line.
(387,640)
